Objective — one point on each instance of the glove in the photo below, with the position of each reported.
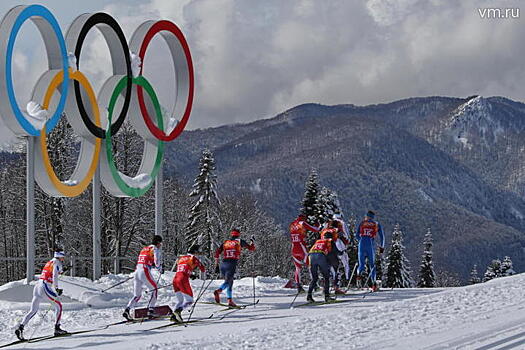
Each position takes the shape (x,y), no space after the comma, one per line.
(381,250)
(252,238)
(217,270)
(59,291)
(192,276)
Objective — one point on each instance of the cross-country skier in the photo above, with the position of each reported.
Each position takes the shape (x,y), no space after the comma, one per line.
(333,256)
(366,233)
(319,261)
(46,289)
(342,243)
(181,281)
(149,257)
(298,230)
(231,252)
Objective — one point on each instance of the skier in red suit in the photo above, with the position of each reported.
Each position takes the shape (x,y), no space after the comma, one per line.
(298,229)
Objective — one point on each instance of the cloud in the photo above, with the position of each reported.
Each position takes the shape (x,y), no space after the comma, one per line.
(254,58)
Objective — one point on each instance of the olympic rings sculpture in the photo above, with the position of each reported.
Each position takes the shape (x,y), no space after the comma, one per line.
(124,89)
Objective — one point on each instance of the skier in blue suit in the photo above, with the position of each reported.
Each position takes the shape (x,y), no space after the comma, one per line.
(365,234)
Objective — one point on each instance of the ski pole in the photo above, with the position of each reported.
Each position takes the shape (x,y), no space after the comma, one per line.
(201,293)
(253,280)
(118,284)
(294,298)
(38,327)
(161,287)
(351,276)
(368,278)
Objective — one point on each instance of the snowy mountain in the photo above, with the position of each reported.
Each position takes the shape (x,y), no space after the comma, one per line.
(451,164)
(484,316)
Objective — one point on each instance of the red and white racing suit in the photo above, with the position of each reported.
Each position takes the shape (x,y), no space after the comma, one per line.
(45,289)
(181,281)
(298,229)
(150,256)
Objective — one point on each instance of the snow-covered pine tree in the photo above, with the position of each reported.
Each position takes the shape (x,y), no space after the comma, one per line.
(506,267)
(310,197)
(474,276)
(327,205)
(427,277)
(309,204)
(204,222)
(398,268)
(493,270)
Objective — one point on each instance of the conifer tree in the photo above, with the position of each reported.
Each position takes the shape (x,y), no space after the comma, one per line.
(493,270)
(309,201)
(327,205)
(506,267)
(398,268)
(474,277)
(204,222)
(427,277)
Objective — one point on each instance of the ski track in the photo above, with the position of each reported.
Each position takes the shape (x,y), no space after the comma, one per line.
(484,316)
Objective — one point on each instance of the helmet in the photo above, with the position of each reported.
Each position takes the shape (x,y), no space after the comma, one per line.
(194,249)
(301,217)
(156,240)
(235,233)
(59,253)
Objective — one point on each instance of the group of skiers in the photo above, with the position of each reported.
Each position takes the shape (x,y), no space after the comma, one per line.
(327,251)
(150,257)
(324,256)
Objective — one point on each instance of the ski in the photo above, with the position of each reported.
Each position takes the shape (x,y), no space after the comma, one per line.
(228,307)
(316,303)
(173,324)
(237,309)
(48,337)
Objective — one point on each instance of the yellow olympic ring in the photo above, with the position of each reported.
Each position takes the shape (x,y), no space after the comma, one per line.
(74,189)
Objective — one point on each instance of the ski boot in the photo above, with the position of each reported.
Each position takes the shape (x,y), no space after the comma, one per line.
(310,299)
(217,295)
(59,331)
(231,303)
(126,315)
(374,287)
(176,316)
(328,298)
(20,332)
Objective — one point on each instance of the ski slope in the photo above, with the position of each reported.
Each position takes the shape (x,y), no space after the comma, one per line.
(484,316)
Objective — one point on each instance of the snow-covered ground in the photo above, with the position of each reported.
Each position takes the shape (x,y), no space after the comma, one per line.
(484,316)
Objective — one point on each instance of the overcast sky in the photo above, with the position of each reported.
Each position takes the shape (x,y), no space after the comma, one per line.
(256,58)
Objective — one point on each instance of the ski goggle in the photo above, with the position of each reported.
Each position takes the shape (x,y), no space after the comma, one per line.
(123,89)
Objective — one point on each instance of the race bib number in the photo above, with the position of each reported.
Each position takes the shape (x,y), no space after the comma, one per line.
(142,259)
(296,239)
(230,254)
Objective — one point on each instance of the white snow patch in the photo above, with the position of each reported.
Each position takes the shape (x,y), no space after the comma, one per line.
(517,213)
(37,115)
(139,181)
(424,195)
(136,64)
(256,187)
(172,124)
(72,61)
